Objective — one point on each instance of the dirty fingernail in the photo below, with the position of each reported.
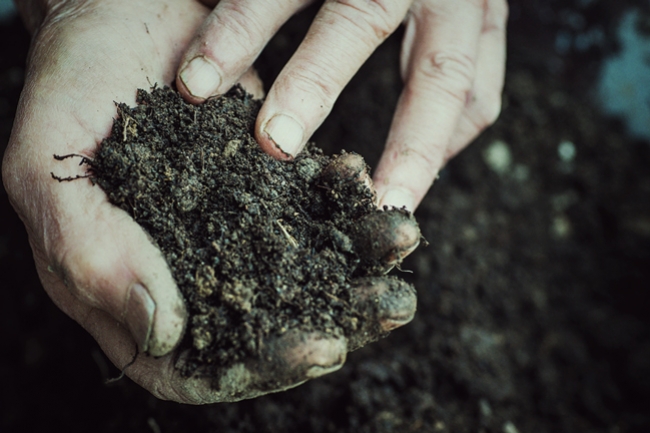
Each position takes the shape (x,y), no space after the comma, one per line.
(139,314)
(318,370)
(286,133)
(201,77)
(398,197)
(397,305)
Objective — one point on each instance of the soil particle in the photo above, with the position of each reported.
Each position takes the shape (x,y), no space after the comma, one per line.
(258,247)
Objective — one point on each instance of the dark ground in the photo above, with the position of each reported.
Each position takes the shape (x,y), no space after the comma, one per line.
(533,295)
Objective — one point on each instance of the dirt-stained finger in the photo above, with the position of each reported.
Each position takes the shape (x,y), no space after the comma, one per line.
(347,175)
(348,167)
(383,303)
(283,363)
(383,239)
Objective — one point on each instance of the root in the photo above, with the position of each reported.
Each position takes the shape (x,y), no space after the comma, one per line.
(123,373)
(84,161)
(290,238)
(70,178)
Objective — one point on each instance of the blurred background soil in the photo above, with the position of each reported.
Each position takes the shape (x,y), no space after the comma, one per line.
(534,295)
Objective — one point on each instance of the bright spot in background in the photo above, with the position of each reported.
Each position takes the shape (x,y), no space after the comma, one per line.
(566,151)
(7,9)
(498,157)
(624,88)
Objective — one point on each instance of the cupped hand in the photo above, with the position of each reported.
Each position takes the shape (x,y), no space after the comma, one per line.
(94,261)
(452,63)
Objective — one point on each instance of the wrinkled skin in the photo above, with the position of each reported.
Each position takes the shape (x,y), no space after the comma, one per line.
(452,63)
(94,261)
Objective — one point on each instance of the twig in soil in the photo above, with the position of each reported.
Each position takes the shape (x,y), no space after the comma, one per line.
(291,239)
(132,129)
(341,301)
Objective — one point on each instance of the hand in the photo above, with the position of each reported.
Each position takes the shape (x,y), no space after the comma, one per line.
(453,65)
(94,261)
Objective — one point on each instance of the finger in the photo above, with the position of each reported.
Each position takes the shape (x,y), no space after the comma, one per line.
(252,83)
(341,38)
(228,43)
(285,362)
(383,239)
(484,106)
(384,304)
(348,175)
(438,62)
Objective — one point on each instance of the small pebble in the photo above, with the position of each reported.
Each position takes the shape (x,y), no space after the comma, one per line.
(509,427)
(484,407)
(498,157)
(566,150)
(561,228)
(231,148)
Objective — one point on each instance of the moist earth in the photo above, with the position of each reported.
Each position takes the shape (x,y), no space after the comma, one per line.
(258,247)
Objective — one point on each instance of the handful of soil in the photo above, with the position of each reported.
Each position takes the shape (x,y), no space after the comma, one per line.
(257,246)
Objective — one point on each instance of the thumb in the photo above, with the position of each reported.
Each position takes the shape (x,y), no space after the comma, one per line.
(110,264)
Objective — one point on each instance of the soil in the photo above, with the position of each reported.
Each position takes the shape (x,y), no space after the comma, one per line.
(533,302)
(258,247)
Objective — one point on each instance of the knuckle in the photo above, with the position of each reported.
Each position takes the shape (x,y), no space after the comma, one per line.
(243,24)
(378,18)
(425,154)
(452,72)
(310,80)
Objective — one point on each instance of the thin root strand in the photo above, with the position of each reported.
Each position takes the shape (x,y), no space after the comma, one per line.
(70,178)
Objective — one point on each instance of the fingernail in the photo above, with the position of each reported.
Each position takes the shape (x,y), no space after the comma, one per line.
(139,314)
(398,197)
(317,370)
(201,77)
(397,305)
(286,133)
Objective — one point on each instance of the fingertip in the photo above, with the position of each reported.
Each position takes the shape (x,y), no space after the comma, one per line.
(139,315)
(384,304)
(315,351)
(198,79)
(384,238)
(347,166)
(399,198)
(155,334)
(167,329)
(389,301)
(282,136)
(252,83)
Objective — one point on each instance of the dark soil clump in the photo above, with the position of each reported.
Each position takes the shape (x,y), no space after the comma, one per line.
(257,246)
